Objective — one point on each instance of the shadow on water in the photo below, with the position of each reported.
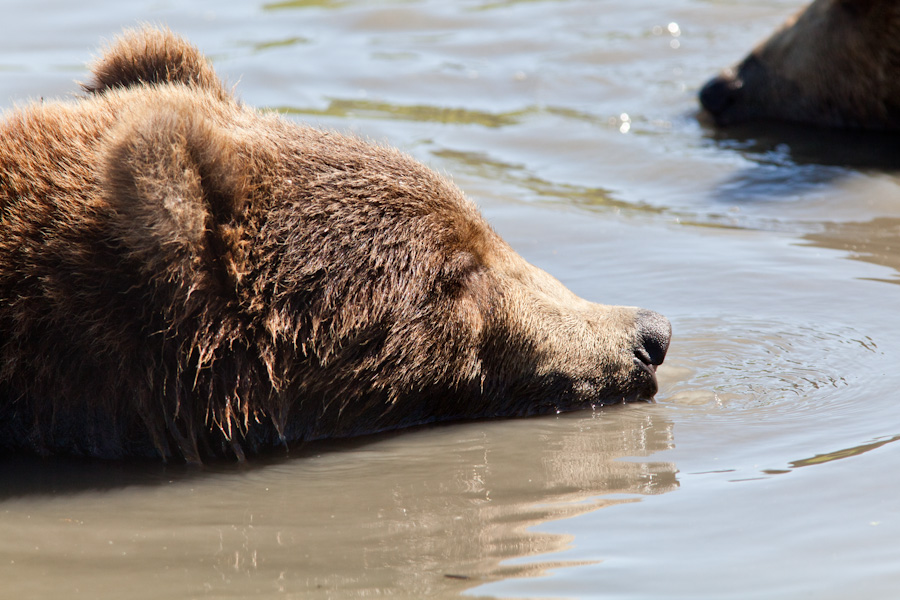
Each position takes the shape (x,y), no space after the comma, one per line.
(279,43)
(24,475)
(787,159)
(481,165)
(422,113)
(828,457)
(295,4)
(876,242)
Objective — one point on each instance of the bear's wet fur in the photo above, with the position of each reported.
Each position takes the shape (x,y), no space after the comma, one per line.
(183,276)
(835,64)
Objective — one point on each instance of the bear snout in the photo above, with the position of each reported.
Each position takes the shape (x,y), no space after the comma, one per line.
(718,94)
(653,333)
(731,97)
(748,92)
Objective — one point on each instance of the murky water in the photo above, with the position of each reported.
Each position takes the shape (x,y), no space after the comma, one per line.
(766,468)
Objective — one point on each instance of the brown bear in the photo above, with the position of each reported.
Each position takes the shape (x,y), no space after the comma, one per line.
(183,276)
(836,64)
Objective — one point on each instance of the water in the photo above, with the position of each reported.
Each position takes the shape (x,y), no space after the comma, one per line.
(765,469)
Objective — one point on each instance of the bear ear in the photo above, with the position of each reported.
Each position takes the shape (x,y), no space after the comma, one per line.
(150,56)
(177,186)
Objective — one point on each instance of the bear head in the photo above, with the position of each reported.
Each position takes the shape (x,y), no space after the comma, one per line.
(193,277)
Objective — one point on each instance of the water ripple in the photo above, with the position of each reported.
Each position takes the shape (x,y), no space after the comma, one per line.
(782,369)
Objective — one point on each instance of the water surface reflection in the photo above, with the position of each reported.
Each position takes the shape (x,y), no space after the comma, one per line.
(437,510)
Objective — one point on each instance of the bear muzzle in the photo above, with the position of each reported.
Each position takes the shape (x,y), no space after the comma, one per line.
(734,96)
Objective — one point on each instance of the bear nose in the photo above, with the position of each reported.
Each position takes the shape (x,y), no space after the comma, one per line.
(654,332)
(719,93)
